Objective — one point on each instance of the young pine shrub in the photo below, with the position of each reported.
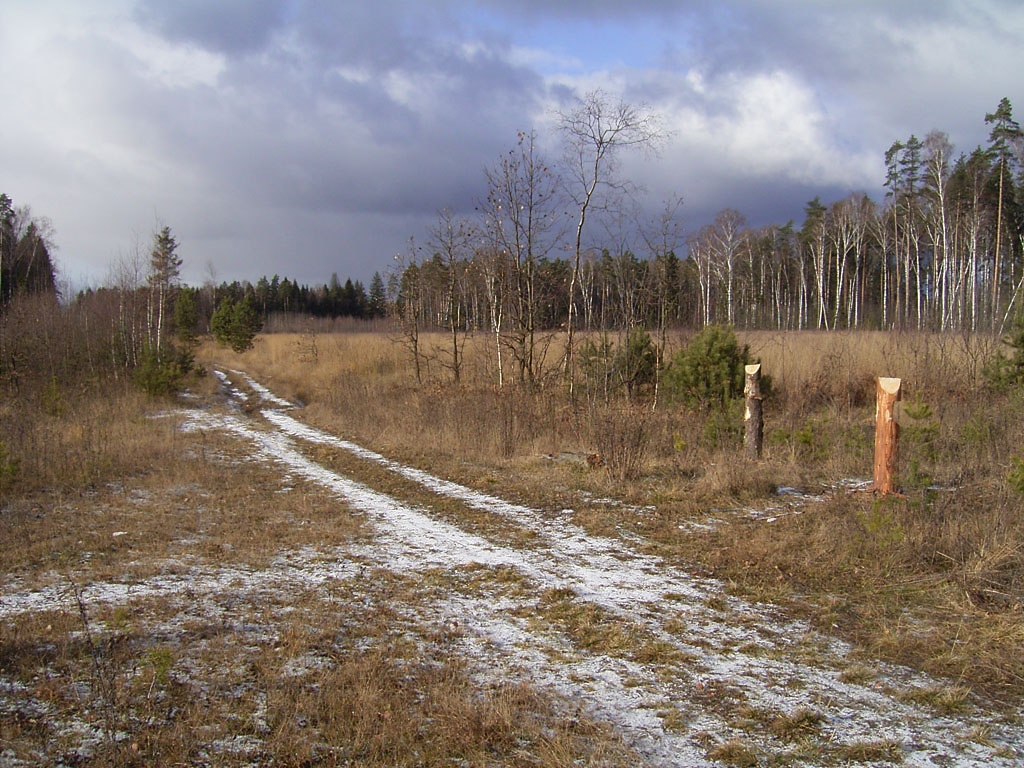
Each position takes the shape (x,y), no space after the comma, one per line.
(235,324)
(1015,477)
(708,373)
(597,364)
(920,442)
(161,372)
(1007,371)
(636,363)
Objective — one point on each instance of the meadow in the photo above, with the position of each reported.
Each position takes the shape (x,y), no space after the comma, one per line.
(932,578)
(216,655)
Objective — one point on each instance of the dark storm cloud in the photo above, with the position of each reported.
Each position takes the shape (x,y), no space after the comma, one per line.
(348,111)
(329,132)
(229,26)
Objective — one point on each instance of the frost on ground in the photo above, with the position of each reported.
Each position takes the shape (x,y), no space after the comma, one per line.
(686,675)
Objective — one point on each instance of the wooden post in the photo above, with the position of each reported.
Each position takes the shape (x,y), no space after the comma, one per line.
(887,435)
(753,416)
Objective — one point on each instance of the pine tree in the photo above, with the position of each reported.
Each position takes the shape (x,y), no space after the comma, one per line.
(164,269)
(378,297)
(6,242)
(236,323)
(1005,142)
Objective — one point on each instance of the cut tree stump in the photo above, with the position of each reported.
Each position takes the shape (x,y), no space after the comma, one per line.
(753,416)
(887,435)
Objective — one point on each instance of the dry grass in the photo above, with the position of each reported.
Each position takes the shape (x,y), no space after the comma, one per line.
(935,579)
(236,674)
(946,560)
(734,752)
(338,682)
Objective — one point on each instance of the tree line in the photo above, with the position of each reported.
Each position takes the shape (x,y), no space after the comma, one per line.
(559,247)
(942,251)
(25,245)
(331,299)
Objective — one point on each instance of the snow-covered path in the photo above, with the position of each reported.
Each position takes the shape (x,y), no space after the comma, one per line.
(696,667)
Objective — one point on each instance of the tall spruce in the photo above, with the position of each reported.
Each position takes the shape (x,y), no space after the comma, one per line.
(164,271)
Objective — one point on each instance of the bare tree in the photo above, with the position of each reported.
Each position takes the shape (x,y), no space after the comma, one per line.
(594,132)
(492,266)
(937,154)
(524,222)
(406,288)
(662,238)
(126,279)
(727,235)
(452,240)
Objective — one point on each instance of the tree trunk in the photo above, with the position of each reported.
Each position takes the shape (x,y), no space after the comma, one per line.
(887,433)
(753,416)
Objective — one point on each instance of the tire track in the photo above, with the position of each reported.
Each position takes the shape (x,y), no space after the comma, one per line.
(772,662)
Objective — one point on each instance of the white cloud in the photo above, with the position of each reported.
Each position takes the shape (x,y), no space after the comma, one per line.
(350,122)
(166,64)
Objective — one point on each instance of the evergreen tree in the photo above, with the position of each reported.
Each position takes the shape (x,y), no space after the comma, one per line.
(1005,142)
(236,323)
(164,268)
(186,314)
(6,243)
(377,302)
(31,270)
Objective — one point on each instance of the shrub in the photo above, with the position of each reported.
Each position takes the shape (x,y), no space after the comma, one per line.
(636,362)
(8,468)
(1002,371)
(607,369)
(622,438)
(709,371)
(920,433)
(235,324)
(1016,475)
(597,365)
(160,373)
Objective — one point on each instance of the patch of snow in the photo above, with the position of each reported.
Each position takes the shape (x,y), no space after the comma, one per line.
(264,393)
(635,587)
(723,643)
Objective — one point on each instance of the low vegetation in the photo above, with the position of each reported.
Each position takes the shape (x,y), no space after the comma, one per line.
(932,578)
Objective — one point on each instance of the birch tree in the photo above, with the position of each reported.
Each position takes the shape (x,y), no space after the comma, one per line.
(594,132)
(727,238)
(452,240)
(523,220)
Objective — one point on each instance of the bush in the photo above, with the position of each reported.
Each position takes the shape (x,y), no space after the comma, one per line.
(8,468)
(709,372)
(596,364)
(607,369)
(636,362)
(160,373)
(622,437)
(1015,478)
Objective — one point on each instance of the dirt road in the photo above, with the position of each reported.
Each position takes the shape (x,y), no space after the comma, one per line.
(686,674)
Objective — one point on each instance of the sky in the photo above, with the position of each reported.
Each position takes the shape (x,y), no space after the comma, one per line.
(311,137)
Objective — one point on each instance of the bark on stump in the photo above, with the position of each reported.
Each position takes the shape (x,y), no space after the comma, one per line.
(753,416)
(887,434)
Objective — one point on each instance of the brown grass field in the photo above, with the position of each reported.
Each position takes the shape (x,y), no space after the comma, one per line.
(98,483)
(947,556)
